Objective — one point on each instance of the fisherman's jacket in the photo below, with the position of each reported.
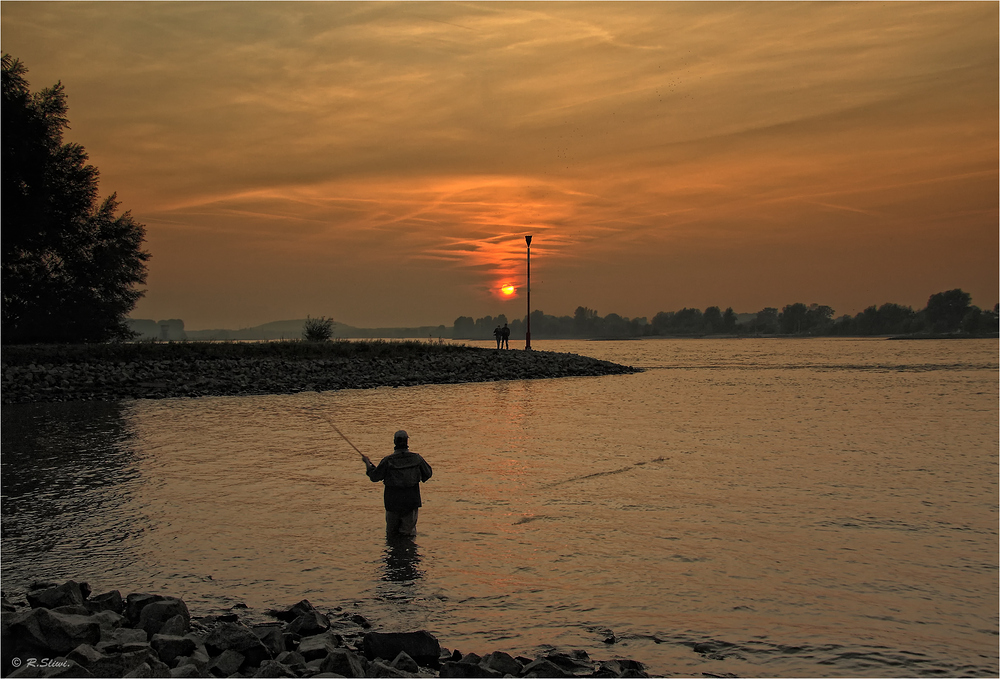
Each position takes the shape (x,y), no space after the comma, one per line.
(401,473)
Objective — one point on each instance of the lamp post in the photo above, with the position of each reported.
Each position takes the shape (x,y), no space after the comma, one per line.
(527,334)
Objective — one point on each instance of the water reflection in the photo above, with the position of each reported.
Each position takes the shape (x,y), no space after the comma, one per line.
(818,510)
(69,471)
(401,560)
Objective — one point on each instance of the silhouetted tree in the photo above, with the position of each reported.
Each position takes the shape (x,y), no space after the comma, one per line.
(895,318)
(688,322)
(464,327)
(794,319)
(713,319)
(973,321)
(485,327)
(584,321)
(729,322)
(661,322)
(820,319)
(888,319)
(70,264)
(945,310)
(766,321)
(799,319)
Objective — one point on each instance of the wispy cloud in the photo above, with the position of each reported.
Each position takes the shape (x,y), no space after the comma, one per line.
(431,137)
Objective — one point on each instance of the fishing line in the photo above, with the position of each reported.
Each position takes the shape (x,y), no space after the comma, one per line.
(329,421)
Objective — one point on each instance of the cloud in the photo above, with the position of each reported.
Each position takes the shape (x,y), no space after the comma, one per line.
(436,135)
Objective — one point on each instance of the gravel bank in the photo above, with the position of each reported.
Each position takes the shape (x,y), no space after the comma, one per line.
(63,631)
(114,372)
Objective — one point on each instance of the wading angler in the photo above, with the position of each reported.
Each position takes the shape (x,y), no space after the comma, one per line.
(402,472)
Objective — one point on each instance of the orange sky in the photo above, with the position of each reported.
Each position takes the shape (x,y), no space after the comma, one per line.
(380,163)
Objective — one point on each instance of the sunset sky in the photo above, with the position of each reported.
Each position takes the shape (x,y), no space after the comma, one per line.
(380,163)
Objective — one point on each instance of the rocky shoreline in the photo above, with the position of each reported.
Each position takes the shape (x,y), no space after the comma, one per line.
(63,631)
(165,370)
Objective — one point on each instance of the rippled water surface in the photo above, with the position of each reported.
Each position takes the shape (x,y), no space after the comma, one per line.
(804,507)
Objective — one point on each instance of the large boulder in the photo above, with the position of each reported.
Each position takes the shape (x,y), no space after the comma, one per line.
(545,668)
(71,593)
(405,663)
(109,601)
(272,637)
(108,620)
(72,609)
(170,647)
(273,669)
(154,614)
(467,669)
(85,655)
(121,636)
(577,663)
(135,602)
(199,659)
(620,668)
(318,646)
(176,626)
(233,636)
(41,633)
(308,623)
(383,671)
(295,611)
(151,668)
(292,660)
(227,664)
(342,661)
(503,663)
(119,664)
(422,646)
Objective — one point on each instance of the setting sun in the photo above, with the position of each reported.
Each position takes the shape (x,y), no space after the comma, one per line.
(508,290)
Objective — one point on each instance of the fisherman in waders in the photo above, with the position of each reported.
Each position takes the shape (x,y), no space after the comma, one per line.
(401,473)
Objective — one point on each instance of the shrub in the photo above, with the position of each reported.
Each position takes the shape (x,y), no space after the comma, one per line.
(317,329)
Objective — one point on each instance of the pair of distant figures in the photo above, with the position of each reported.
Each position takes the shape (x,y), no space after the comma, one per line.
(503,337)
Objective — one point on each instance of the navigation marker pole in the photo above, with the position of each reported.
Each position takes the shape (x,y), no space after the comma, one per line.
(527,334)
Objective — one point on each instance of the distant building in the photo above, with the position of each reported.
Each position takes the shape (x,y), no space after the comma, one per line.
(168,330)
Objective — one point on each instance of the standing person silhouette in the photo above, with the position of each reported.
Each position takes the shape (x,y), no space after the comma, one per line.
(505,335)
(499,335)
(401,473)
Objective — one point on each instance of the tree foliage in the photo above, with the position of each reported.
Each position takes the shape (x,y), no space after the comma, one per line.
(71,264)
(945,310)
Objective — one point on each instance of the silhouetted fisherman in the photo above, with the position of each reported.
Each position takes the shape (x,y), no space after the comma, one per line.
(401,473)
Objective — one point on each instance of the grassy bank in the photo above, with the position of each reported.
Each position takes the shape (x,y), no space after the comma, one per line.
(59,354)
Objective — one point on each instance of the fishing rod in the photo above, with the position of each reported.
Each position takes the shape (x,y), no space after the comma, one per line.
(337,429)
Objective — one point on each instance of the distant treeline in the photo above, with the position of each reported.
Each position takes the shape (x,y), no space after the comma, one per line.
(948,312)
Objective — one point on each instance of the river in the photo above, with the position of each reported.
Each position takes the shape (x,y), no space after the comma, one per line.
(760,507)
